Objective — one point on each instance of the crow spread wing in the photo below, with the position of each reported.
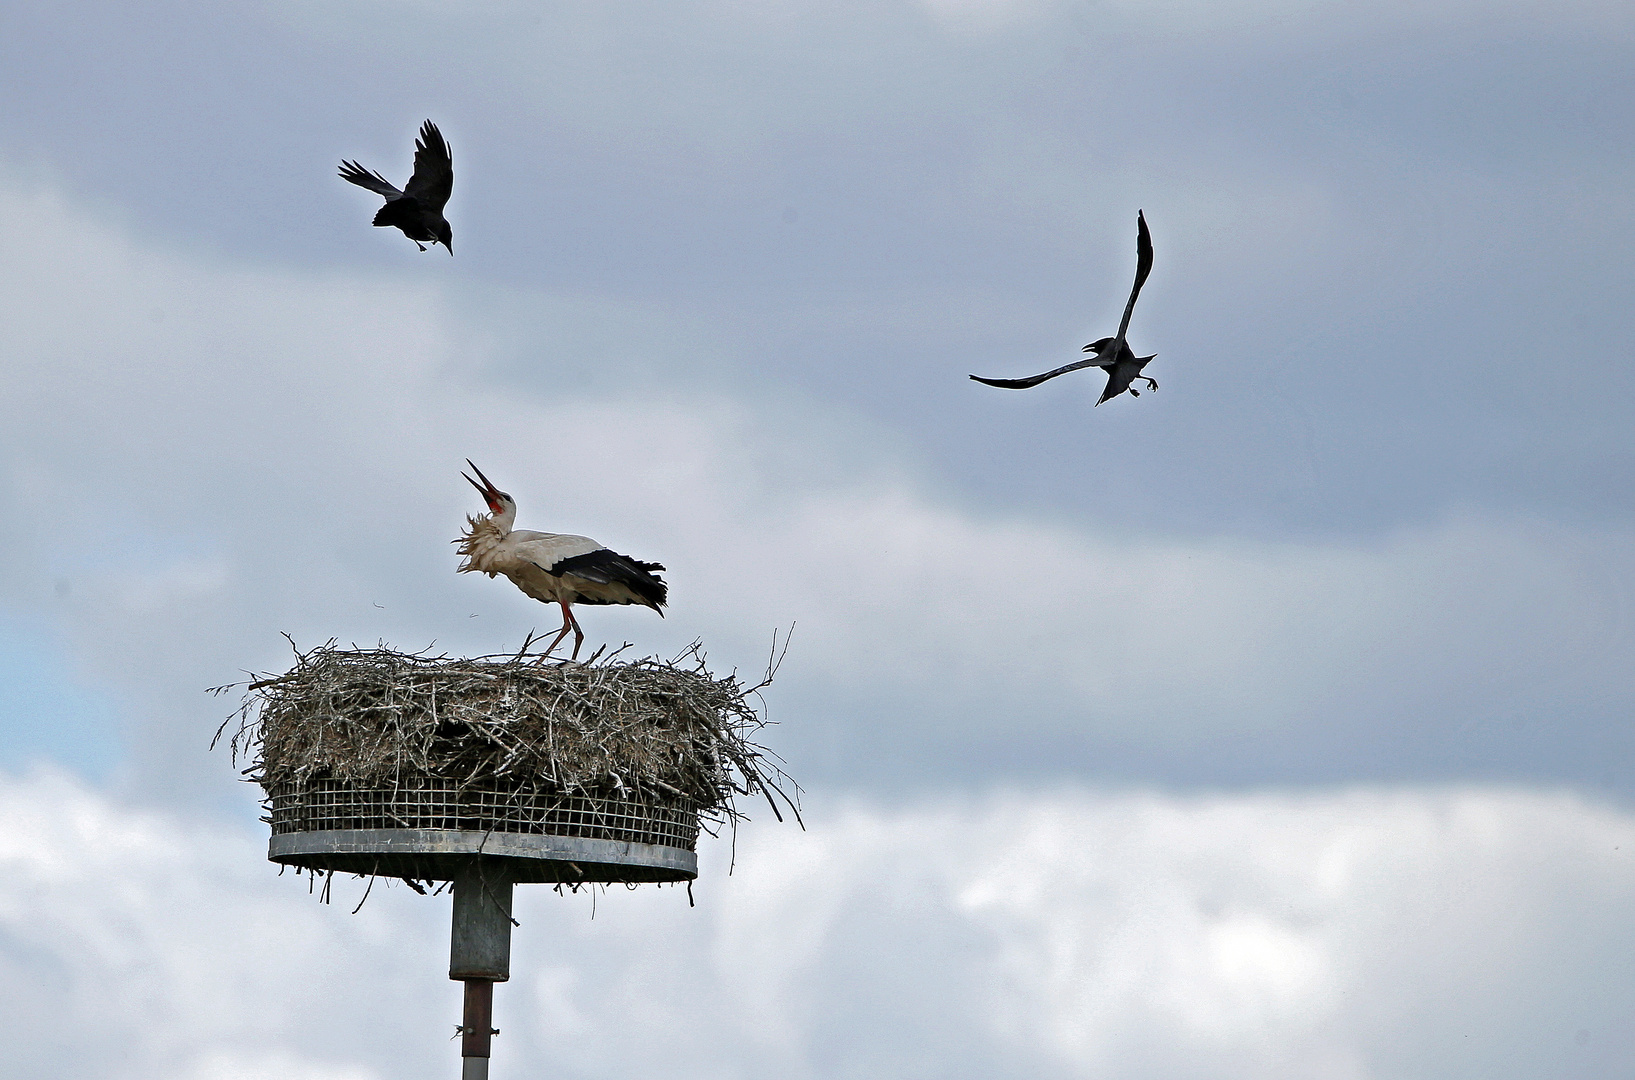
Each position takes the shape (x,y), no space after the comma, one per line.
(433,179)
(354,173)
(1023,384)
(1143,267)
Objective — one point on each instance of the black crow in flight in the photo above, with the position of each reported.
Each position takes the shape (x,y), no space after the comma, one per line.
(1112,354)
(418,208)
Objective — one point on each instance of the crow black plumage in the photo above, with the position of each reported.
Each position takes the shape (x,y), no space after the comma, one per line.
(1112,354)
(418,208)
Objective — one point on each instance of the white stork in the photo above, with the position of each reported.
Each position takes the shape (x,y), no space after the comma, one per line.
(1112,354)
(554,568)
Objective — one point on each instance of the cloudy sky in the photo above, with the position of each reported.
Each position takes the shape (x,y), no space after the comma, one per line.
(1273,724)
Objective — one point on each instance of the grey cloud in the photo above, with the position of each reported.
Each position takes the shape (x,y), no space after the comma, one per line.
(1363,219)
(281,453)
(723,271)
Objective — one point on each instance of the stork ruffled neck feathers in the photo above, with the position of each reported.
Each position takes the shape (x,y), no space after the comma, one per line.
(478,544)
(484,535)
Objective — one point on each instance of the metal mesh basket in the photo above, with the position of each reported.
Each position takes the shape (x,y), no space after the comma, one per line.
(428,828)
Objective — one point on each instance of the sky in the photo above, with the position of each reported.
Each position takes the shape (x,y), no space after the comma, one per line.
(1272,724)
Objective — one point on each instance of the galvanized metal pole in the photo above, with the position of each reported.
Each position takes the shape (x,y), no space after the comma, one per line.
(480,955)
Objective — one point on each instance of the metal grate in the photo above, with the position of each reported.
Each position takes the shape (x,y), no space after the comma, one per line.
(426,803)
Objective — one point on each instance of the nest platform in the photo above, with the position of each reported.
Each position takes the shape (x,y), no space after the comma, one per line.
(379,762)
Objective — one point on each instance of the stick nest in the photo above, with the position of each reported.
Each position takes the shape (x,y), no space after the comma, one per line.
(652,730)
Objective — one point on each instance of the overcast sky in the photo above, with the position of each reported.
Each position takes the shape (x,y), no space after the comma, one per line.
(1273,724)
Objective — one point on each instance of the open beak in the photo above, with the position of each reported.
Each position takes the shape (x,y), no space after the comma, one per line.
(490,493)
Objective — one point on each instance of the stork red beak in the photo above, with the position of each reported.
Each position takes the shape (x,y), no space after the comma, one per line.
(489,492)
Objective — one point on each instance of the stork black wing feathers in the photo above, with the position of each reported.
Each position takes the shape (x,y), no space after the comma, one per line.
(608,567)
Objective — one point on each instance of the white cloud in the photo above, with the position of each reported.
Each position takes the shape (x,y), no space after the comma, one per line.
(144,947)
(1366,933)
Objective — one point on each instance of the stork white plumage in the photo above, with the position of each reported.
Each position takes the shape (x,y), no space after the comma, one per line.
(554,568)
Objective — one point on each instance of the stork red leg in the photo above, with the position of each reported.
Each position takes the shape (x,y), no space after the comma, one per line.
(578,634)
(567,624)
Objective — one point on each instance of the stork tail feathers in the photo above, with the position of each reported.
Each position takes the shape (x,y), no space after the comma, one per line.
(608,567)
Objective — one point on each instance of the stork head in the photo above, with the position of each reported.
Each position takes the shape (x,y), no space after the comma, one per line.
(501,505)
(445,236)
